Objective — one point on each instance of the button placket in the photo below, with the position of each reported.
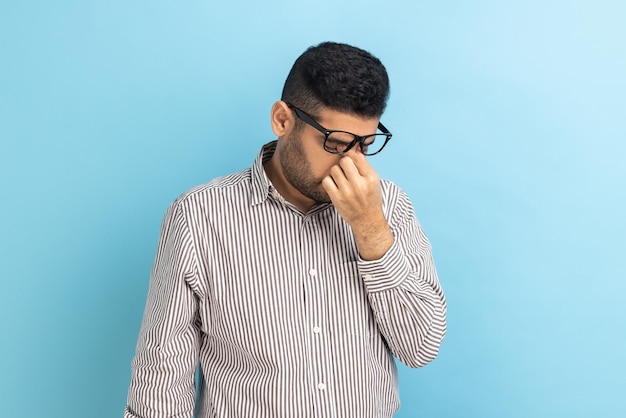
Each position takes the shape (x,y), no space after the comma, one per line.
(312,258)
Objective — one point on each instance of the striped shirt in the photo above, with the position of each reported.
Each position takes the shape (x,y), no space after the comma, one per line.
(283,315)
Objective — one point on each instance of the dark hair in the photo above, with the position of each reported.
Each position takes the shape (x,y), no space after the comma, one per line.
(340,77)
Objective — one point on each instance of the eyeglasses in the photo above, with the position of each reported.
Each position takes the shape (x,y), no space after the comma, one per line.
(340,142)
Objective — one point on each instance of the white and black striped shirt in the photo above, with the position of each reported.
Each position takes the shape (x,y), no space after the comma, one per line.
(283,315)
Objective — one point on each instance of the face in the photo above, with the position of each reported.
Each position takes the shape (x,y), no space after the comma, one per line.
(298,170)
(302,157)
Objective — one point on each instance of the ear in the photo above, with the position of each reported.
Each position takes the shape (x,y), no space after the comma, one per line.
(282,119)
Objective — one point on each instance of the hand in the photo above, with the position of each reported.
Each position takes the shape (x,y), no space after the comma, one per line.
(354,188)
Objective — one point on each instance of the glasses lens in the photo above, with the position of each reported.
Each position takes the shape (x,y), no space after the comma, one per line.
(338,142)
(374,144)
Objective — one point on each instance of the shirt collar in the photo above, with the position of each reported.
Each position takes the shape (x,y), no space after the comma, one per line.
(261,185)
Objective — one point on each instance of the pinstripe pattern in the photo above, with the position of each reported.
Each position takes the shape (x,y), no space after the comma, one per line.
(284,317)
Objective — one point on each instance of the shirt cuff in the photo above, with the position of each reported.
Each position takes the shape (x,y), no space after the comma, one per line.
(386,273)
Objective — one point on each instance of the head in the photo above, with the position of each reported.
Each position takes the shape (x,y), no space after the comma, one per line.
(342,88)
(338,77)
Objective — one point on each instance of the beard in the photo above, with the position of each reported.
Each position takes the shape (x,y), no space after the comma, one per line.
(297,170)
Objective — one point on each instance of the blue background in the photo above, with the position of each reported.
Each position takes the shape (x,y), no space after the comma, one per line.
(509,136)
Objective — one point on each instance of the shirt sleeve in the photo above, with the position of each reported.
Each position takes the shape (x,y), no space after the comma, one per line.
(403,289)
(163,369)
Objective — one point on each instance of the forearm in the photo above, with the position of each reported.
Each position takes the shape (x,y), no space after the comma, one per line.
(408,304)
(373,238)
(163,375)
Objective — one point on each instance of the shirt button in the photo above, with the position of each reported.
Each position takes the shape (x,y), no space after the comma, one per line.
(321,386)
(368,277)
(312,272)
(316,330)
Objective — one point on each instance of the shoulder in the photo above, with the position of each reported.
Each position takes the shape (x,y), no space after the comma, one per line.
(236,185)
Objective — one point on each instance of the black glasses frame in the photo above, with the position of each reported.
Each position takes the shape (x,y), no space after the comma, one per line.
(308,119)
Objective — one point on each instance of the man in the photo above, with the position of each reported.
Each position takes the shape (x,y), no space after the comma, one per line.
(295,282)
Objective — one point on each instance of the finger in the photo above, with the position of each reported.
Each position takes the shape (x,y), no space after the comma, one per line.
(349,168)
(358,176)
(331,187)
(361,163)
(339,177)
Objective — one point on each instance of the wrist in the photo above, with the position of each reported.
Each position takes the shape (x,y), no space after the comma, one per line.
(373,241)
